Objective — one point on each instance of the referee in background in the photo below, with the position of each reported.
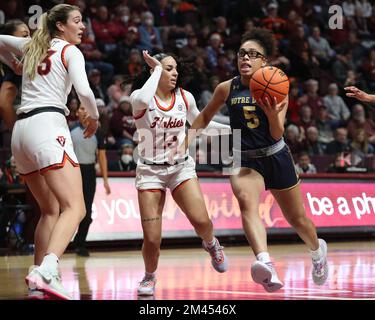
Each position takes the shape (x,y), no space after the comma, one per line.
(87,151)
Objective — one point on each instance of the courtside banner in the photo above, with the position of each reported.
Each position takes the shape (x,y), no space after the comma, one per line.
(328,204)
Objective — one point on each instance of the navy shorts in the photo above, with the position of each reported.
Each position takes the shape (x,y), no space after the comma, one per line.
(278,170)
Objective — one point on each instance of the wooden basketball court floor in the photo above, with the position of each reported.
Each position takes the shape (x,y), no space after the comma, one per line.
(187,274)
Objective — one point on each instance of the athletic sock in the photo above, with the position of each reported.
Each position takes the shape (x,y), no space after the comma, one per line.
(50,263)
(316,254)
(211,243)
(263,257)
(150,275)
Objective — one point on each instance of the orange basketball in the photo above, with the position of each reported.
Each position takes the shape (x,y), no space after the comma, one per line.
(269,82)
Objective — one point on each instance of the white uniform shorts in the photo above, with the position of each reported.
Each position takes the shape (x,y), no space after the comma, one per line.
(42,142)
(151,177)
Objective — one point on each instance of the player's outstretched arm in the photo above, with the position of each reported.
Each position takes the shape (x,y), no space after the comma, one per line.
(354,92)
(140,99)
(10,46)
(205,116)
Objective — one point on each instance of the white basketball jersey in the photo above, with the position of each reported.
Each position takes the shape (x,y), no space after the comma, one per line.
(51,84)
(161,128)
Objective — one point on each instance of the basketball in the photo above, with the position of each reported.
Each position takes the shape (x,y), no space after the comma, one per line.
(269,82)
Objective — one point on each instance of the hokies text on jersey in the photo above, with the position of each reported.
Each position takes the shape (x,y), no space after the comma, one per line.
(168,123)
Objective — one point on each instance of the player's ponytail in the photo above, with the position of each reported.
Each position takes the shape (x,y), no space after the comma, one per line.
(36,49)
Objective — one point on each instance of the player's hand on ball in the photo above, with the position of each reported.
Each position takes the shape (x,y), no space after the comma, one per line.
(272,108)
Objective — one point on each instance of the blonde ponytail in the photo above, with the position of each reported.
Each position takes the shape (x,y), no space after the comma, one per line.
(36,49)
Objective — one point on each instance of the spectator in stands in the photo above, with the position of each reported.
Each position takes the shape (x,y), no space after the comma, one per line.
(306,119)
(312,97)
(200,75)
(311,144)
(279,60)
(294,107)
(293,23)
(192,49)
(363,10)
(359,121)
(360,145)
(354,44)
(94,58)
(138,6)
(320,47)
(273,22)
(149,35)
(348,7)
(11,179)
(163,14)
(115,91)
(96,84)
(134,65)
(293,139)
(122,123)
(230,39)
(298,42)
(368,70)
(214,49)
(106,32)
(343,63)
(340,143)
(223,69)
(303,8)
(126,162)
(338,112)
(304,164)
(122,20)
(339,165)
(124,48)
(324,126)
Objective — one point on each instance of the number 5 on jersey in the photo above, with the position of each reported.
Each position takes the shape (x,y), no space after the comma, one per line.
(45,66)
(249,114)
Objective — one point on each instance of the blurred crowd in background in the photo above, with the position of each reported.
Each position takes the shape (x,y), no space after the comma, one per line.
(322,123)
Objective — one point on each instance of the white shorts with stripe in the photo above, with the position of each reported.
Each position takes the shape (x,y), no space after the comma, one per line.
(42,142)
(155,177)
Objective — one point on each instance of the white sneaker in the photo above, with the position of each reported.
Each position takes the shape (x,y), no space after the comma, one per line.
(218,258)
(265,274)
(147,287)
(43,280)
(35,294)
(320,267)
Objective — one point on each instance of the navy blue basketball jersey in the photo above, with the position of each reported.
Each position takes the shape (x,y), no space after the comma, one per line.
(245,114)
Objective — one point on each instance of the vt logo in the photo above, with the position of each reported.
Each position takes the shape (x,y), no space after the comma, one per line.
(61,140)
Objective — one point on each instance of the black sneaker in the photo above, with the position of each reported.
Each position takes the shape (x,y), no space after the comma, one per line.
(82,251)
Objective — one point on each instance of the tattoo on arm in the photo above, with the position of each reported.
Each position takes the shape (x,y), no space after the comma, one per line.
(151,219)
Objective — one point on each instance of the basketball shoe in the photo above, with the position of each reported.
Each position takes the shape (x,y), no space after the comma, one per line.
(147,287)
(50,283)
(218,259)
(320,267)
(265,274)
